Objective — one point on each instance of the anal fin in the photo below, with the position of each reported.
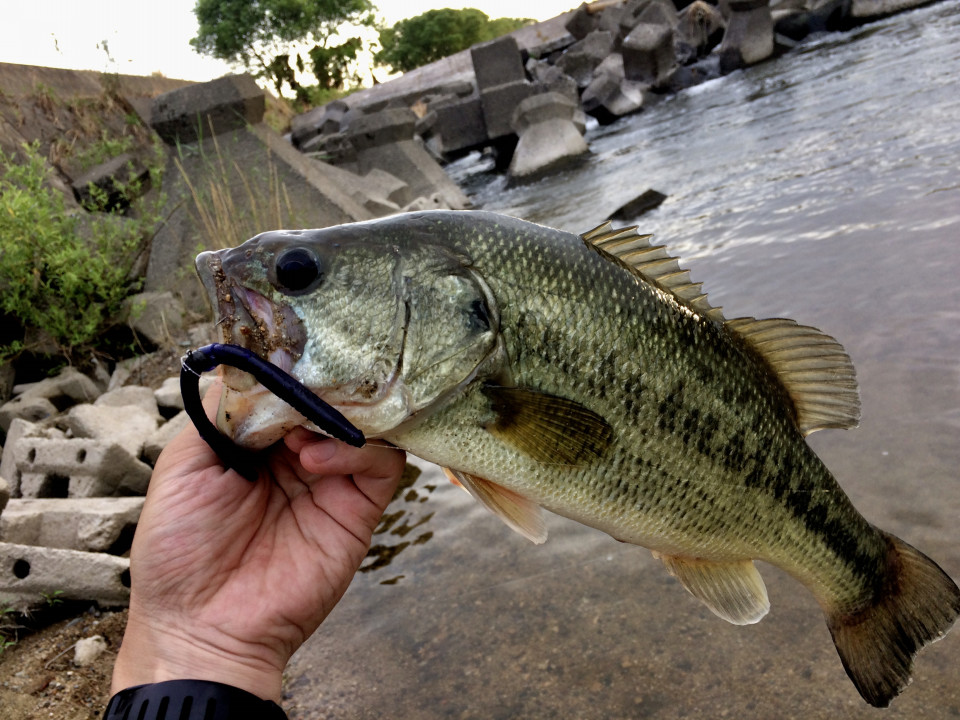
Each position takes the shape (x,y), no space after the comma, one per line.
(732,590)
(517,512)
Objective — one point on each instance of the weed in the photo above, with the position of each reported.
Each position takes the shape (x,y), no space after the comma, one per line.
(54,277)
(225,222)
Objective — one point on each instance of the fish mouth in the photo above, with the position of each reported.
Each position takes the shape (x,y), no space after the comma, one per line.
(248,319)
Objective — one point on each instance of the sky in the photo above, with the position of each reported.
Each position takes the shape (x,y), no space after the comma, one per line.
(142,37)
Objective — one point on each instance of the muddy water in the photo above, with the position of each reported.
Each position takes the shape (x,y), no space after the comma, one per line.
(823,186)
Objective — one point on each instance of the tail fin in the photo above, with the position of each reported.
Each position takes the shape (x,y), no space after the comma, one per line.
(917,606)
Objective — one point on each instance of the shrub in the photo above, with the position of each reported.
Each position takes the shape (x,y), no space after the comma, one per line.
(53,277)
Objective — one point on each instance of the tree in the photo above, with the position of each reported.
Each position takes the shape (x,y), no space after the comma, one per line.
(437,34)
(260,35)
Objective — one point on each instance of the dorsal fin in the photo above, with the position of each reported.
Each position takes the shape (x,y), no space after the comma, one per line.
(812,366)
(653,263)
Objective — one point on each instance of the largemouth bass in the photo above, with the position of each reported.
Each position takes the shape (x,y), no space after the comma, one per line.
(589,376)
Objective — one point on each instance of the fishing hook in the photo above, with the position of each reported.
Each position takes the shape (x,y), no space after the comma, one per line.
(280,383)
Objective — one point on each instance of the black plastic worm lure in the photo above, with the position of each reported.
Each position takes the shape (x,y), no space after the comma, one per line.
(281,384)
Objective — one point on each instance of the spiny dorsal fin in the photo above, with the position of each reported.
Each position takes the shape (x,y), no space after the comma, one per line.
(550,429)
(653,263)
(517,512)
(732,590)
(812,366)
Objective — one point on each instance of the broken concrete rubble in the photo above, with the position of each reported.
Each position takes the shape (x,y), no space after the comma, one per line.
(36,401)
(89,524)
(28,573)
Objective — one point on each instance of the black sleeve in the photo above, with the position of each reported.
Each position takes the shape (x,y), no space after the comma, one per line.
(190,700)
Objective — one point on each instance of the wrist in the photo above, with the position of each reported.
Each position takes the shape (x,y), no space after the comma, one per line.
(153,653)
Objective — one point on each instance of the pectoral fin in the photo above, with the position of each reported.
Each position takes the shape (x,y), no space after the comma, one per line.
(548,428)
(732,590)
(520,514)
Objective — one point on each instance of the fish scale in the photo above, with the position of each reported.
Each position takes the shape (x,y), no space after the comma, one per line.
(589,376)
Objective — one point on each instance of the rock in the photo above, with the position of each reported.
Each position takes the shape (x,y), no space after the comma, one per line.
(4,496)
(127,426)
(648,55)
(89,524)
(131,396)
(88,650)
(168,397)
(7,377)
(78,467)
(115,184)
(39,400)
(547,133)
(156,317)
(160,437)
(497,62)
(797,20)
(645,202)
(749,35)
(27,572)
(196,111)
(581,59)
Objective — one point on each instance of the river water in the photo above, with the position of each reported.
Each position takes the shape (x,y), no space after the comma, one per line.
(823,186)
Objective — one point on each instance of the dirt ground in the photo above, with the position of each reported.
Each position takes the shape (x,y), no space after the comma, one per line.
(38,678)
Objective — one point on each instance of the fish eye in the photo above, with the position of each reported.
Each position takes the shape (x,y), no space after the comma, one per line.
(297,270)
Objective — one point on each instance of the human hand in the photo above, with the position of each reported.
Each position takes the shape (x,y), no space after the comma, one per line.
(230,577)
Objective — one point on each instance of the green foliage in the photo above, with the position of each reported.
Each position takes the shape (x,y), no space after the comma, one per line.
(260,36)
(55,276)
(437,34)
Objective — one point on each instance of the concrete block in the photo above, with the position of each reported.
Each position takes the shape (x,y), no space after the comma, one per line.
(581,59)
(460,125)
(648,55)
(582,22)
(499,104)
(164,434)
(90,524)
(497,62)
(20,429)
(128,426)
(118,180)
(547,133)
(391,125)
(27,573)
(748,38)
(67,388)
(78,467)
(196,111)
(412,164)
(130,396)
